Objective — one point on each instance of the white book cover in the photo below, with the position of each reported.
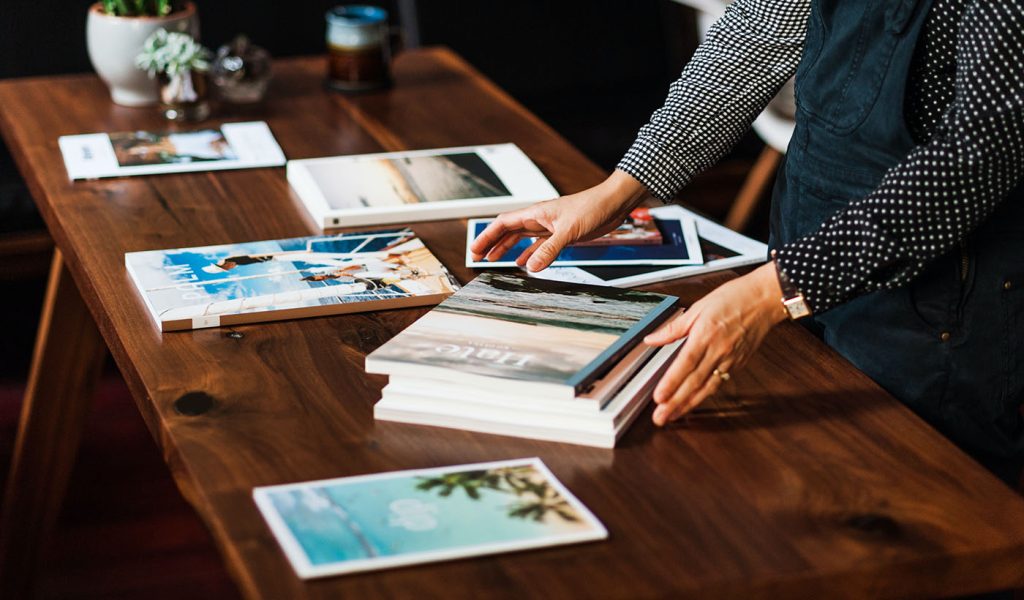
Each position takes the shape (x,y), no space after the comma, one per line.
(417,185)
(721,248)
(126,153)
(209,286)
(679,245)
(370,522)
(603,429)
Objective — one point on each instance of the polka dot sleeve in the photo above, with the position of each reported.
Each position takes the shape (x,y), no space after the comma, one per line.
(947,185)
(747,55)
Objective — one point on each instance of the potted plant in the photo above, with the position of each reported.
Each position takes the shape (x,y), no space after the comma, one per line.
(180,64)
(115,31)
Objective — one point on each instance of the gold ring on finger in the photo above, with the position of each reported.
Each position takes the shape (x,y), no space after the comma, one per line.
(723,375)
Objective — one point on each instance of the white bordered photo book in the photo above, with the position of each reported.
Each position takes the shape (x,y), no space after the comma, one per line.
(231,284)
(126,153)
(417,185)
(370,522)
(679,246)
(721,248)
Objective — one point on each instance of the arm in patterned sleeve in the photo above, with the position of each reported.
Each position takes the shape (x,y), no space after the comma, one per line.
(747,56)
(943,189)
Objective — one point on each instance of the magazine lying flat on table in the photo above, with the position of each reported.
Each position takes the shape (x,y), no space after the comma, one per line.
(369,522)
(680,246)
(523,335)
(721,248)
(418,185)
(231,146)
(209,286)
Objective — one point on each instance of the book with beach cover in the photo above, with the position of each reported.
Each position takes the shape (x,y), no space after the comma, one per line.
(530,336)
(230,146)
(230,284)
(417,185)
(385,520)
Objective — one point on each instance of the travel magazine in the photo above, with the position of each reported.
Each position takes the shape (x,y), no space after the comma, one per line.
(370,522)
(230,146)
(527,336)
(417,185)
(210,286)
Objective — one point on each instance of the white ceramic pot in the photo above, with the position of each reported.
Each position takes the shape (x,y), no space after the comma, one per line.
(114,42)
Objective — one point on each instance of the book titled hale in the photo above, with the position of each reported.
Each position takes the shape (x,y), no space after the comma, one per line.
(210,286)
(385,520)
(528,336)
(417,185)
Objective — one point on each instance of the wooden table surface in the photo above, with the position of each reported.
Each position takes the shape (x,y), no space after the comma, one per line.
(802,477)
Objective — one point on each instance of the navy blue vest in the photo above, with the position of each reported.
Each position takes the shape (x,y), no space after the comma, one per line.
(951,344)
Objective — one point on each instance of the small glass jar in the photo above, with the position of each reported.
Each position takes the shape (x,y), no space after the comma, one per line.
(241,72)
(184,96)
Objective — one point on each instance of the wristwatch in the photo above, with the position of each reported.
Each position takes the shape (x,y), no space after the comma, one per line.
(793,301)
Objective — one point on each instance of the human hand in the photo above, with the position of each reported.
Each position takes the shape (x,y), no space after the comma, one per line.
(722,329)
(557,223)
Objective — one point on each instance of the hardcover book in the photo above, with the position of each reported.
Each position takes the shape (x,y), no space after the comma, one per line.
(527,335)
(369,522)
(720,247)
(679,246)
(443,406)
(210,286)
(231,146)
(418,185)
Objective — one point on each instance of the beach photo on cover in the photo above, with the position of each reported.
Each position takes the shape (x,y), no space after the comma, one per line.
(514,327)
(409,514)
(263,276)
(381,182)
(135,148)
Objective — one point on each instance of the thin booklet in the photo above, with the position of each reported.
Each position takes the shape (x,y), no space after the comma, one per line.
(125,153)
(720,247)
(524,335)
(679,245)
(370,522)
(417,185)
(209,286)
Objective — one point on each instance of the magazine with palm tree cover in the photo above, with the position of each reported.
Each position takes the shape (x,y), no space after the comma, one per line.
(551,339)
(210,286)
(370,522)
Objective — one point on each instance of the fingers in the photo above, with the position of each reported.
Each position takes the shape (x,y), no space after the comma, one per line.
(547,251)
(673,329)
(502,225)
(503,246)
(696,385)
(526,254)
(688,359)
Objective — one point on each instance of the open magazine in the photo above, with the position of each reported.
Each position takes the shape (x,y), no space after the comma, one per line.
(230,146)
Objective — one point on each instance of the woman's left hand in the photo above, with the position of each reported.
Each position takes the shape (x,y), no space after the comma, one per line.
(723,329)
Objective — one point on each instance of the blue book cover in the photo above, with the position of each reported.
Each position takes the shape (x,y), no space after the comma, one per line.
(230,284)
(369,522)
(680,245)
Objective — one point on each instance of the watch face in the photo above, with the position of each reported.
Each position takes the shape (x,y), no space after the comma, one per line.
(797,308)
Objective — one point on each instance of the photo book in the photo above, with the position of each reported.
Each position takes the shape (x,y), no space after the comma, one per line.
(721,248)
(679,245)
(231,146)
(210,286)
(526,336)
(422,402)
(370,522)
(418,185)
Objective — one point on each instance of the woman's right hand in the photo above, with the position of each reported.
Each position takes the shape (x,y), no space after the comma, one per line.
(557,223)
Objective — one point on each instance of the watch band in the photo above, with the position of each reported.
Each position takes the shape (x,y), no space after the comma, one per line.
(793,301)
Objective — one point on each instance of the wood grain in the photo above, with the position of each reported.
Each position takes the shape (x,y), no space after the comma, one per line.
(802,478)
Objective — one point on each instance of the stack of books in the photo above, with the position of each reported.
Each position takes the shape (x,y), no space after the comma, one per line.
(526,357)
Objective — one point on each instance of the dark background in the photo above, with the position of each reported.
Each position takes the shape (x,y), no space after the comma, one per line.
(593,69)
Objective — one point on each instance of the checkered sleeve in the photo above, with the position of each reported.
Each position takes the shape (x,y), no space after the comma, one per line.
(746,57)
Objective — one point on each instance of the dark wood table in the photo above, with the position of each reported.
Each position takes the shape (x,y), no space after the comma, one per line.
(801,478)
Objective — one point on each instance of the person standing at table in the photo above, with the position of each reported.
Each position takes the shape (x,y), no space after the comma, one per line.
(897,225)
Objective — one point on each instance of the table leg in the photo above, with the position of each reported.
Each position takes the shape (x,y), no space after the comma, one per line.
(69,352)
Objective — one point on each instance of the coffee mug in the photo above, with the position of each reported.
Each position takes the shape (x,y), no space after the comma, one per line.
(359,46)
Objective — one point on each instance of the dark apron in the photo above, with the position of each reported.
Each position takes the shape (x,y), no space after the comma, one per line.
(951,344)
